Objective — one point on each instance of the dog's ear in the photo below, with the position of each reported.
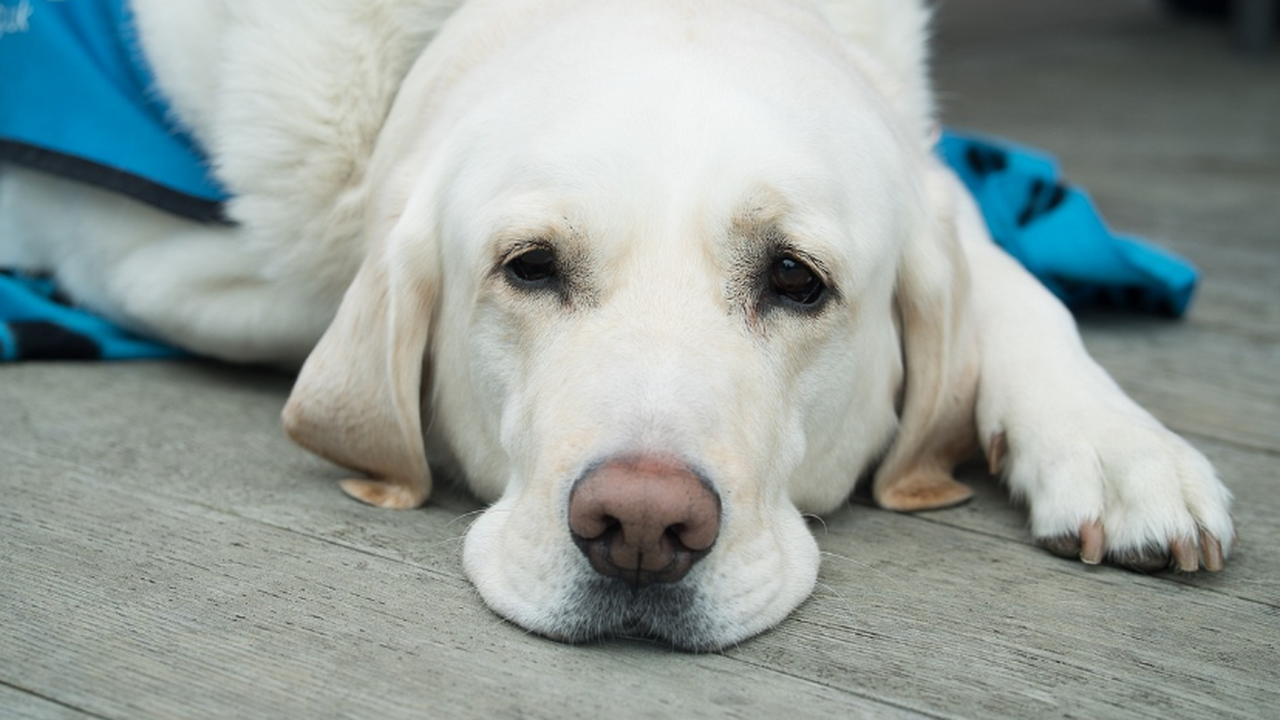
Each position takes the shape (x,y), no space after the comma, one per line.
(358,398)
(937,428)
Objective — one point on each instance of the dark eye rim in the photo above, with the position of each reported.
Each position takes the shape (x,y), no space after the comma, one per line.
(815,292)
(525,267)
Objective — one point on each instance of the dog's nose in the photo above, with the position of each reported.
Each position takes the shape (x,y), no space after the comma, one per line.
(644,520)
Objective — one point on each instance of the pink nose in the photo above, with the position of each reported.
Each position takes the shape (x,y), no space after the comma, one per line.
(643,520)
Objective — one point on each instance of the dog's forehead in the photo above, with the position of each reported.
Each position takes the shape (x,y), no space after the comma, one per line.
(704,95)
(605,122)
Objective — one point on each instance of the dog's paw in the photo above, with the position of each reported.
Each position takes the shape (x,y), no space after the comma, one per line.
(1116,486)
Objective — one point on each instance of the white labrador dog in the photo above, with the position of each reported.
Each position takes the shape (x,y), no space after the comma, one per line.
(655,277)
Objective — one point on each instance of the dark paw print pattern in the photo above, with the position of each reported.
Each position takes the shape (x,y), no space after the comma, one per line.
(1043,199)
(1054,230)
(37,322)
(39,340)
(985,160)
(1084,296)
(22,338)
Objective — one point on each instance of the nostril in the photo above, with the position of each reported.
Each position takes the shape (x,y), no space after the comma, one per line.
(643,520)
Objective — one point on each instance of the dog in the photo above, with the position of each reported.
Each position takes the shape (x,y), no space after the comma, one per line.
(656,278)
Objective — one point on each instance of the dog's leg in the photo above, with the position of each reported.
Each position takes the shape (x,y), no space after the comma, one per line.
(204,291)
(1103,479)
(201,287)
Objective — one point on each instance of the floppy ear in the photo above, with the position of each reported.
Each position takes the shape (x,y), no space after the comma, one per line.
(937,428)
(358,398)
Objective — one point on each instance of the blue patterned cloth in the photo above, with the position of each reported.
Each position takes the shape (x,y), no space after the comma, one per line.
(1055,231)
(36,323)
(77,99)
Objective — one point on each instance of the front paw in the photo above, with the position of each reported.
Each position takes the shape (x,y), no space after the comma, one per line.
(1117,488)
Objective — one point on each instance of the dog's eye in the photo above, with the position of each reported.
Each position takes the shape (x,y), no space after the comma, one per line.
(796,281)
(535,265)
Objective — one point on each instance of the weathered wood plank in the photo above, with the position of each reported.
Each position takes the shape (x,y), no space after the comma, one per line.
(140,607)
(1017,635)
(913,612)
(18,704)
(139,598)
(1196,379)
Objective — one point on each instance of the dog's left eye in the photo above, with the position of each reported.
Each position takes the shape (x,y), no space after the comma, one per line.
(796,281)
(533,266)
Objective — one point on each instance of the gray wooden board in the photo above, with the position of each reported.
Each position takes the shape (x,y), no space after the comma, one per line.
(1018,635)
(114,534)
(133,605)
(18,704)
(1196,379)
(137,606)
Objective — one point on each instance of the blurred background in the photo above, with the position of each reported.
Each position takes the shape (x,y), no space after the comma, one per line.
(1156,108)
(1249,25)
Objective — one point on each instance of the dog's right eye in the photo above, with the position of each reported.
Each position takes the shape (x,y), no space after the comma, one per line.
(796,281)
(534,266)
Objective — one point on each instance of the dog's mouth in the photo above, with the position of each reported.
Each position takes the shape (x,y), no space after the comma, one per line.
(671,613)
(642,550)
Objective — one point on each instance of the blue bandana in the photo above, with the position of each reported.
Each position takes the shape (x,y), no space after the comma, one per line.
(77,99)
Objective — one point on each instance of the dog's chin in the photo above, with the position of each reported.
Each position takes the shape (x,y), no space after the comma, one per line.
(674,614)
(588,607)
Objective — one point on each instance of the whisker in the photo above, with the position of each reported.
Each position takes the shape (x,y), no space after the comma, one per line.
(859,563)
(466,515)
(811,516)
(844,599)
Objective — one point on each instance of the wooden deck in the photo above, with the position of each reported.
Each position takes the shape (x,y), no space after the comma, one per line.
(166,553)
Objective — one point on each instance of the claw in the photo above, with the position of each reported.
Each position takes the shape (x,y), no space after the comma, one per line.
(996,450)
(1093,542)
(1212,550)
(1185,554)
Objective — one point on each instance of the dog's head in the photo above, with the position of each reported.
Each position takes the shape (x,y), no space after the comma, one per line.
(655,279)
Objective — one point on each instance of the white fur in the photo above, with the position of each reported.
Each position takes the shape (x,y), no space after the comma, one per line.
(657,143)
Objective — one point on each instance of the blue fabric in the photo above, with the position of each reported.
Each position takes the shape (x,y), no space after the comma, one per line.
(38,324)
(77,98)
(1055,231)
